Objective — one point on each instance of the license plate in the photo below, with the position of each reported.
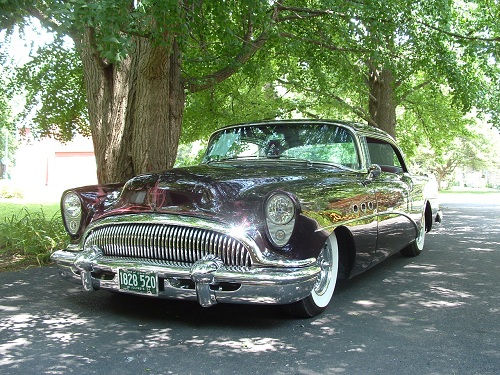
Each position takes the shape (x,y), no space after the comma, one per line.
(138,281)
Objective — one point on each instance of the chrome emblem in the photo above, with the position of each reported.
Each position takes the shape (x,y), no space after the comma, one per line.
(156,197)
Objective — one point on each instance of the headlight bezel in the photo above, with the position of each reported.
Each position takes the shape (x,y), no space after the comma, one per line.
(280,212)
(71,210)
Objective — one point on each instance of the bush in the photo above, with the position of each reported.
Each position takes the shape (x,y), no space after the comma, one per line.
(31,235)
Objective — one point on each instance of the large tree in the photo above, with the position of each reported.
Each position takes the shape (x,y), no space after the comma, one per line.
(140,60)
(381,57)
(133,58)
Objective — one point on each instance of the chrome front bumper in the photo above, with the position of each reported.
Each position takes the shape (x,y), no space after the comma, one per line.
(208,280)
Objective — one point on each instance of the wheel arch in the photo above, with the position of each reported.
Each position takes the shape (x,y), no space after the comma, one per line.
(428,216)
(347,251)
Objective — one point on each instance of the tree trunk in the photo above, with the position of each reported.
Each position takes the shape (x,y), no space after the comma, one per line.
(135,108)
(382,104)
(158,107)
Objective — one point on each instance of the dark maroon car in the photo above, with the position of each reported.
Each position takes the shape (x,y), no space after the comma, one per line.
(275,214)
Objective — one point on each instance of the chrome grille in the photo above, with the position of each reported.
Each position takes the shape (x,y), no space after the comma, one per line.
(167,243)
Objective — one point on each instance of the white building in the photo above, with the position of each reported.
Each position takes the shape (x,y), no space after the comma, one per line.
(44,168)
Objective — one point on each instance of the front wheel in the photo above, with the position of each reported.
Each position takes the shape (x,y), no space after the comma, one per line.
(322,293)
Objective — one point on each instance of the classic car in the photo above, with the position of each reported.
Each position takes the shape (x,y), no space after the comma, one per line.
(275,213)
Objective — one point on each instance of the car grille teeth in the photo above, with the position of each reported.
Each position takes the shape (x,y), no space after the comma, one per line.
(167,243)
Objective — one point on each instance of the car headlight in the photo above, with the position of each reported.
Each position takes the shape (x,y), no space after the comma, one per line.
(280,209)
(72,212)
(280,218)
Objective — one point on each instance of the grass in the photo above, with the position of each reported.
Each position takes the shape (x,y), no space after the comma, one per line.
(29,233)
(9,209)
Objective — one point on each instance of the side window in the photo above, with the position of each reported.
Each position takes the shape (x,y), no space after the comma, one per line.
(385,155)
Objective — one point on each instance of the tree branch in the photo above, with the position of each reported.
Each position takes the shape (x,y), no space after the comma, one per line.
(358,111)
(414,89)
(460,36)
(44,19)
(304,13)
(249,48)
(322,44)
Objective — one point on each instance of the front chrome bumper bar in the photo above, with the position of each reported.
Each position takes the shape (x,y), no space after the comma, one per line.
(208,280)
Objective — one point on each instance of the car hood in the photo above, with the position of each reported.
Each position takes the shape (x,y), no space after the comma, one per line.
(221,190)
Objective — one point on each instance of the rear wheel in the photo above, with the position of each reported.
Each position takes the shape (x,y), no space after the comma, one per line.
(322,293)
(416,247)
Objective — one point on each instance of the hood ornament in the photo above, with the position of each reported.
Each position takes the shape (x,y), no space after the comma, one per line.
(156,197)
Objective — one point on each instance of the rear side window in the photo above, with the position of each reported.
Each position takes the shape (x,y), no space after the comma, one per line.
(386,155)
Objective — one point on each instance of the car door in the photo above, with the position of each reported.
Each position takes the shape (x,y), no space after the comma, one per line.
(392,191)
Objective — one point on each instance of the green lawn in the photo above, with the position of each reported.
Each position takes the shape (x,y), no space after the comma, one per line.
(9,208)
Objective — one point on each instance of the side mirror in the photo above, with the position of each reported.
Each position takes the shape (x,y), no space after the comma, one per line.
(373,172)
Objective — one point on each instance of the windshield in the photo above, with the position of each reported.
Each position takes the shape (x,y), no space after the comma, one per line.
(324,143)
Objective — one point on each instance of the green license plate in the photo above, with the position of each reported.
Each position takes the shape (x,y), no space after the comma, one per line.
(138,281)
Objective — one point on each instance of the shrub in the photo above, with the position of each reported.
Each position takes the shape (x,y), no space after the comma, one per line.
(32,235)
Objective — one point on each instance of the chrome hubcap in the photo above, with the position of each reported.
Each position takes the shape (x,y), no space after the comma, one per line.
(325,263)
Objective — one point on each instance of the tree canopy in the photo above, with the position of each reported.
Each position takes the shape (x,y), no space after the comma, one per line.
(140,69)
